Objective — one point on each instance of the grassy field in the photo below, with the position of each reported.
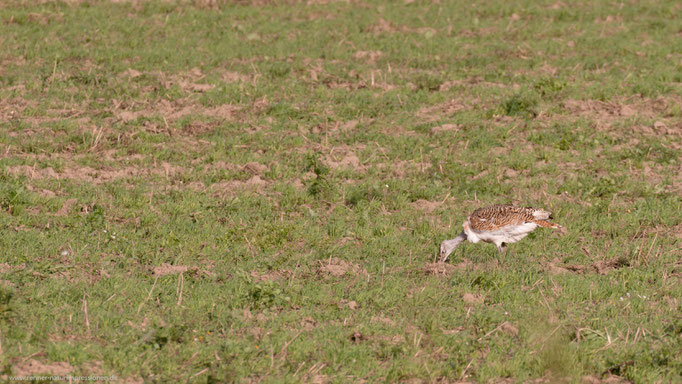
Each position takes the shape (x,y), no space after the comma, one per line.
(256,192)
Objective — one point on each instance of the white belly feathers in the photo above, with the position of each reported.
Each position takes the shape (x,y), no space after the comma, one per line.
(508,234)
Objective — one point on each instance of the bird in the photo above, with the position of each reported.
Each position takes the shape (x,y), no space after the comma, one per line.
(500,224)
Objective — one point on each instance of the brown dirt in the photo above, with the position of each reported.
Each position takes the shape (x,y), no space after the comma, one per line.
(319,379)
(349,160)
(390,340)
(445,86)
(132,380)
(173,111)
(677,231)
(93,368)
(308,323)
(251,167)
(348,126)
(255,168)
(357,337)
(602,267)
(471,298)
(233,77)
(131,73)
(453,331)
(47,193)
(34,367)
(608,379)
(445,269)
(221,165)
(228,188)
(426,206)
(382,320)
(509,328)
(94,176)
(401,168)
(337,268)
(5,267)
(605,114)
(350,304)
(66,207)
(370,56)
(477,81)
(195,128)
(167,269)
(270,275)
(385,26)
(195,87)
(446,109)
(446,128)
(554,267)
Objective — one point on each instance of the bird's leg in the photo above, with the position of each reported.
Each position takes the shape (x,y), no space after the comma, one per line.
(502,249)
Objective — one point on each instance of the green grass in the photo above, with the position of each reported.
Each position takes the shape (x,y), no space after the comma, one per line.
(210,192)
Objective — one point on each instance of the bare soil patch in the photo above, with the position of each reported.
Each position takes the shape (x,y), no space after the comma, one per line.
(94,176)
(426,206)
(93,368)
(233,77)
(382,320)
(446,128)
(269,275)
(605,114)
(385,26)
(172,111)
(308,323)
(370,56)
(390,340)
(357,337)
(350,304)
(336,267)
(167,269)
(509,328)
(255,168)
(66,207)
(345,157)
(601,267)
(446,109)
(606,379)
(34,367)
(469,82)
(227,188)
(401,168)
(677,231)
(556,268)
(453,331)
(445,269)
(5,267)
(472,298)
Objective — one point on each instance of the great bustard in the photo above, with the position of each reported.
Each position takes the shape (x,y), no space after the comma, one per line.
(500,225)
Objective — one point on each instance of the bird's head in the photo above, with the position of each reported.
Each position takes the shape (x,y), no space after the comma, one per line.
(446,249)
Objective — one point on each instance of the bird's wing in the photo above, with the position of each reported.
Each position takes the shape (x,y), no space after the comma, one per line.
(498,216)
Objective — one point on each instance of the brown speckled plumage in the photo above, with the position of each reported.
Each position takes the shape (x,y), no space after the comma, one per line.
(500,225)
(498,216)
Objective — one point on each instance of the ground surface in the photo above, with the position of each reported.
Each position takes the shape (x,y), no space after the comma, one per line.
(253,192)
